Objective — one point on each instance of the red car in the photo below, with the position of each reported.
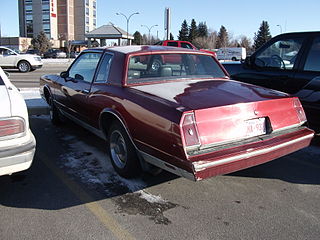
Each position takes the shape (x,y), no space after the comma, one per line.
(188,118)
(182,44)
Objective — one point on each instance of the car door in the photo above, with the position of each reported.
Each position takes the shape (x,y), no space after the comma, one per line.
(77,84)
(309,74)
(274,65)
(101,89)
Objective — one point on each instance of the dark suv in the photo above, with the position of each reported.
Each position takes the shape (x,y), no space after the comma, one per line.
(290,63)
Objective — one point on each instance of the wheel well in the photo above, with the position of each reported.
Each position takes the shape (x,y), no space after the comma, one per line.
(23,60)
(106,121)
(46,94)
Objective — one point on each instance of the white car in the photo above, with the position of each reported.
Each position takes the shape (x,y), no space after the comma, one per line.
(24,62)
(17,143)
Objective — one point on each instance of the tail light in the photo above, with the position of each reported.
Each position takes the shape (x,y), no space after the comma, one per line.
(11,126)
(301,115)
(189,130)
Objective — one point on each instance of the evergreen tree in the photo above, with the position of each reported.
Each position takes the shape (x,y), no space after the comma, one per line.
(262,36)
(223,38)
(184,32)
(137,38)
(41,42)
(203,29)
(193,31)
(171,36)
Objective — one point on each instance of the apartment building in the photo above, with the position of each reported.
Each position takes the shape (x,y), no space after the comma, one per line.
(59,19)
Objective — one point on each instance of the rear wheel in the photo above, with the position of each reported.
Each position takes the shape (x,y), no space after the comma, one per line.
(234,59)
(24,66)
(122,152)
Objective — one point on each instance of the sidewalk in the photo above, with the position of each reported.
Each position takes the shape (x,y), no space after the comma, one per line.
(36,105)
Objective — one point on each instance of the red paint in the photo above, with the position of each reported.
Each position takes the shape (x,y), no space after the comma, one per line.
(152,113)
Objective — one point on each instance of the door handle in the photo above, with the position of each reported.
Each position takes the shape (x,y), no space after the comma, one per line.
(85,91)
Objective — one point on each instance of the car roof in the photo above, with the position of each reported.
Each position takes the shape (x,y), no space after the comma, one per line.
(298,34)
(144,49)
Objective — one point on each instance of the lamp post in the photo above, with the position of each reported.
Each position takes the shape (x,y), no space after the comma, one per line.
(128,19)
(149,29)
(280,28)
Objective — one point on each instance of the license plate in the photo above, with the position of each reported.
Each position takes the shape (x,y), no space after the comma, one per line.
(256,127)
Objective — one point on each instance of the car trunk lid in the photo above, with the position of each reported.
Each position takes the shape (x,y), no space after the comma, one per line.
(5,102)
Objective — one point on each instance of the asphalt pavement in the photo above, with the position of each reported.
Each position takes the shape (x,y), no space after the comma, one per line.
(72,192)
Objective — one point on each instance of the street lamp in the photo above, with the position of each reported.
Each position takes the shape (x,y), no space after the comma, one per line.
(127,18)
(149,29)
(280,28)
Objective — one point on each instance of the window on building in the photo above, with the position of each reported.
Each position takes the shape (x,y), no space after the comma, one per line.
(28,1)
(87,20)
(94,22)
(45,16)
(94,4)
(87,2)
(29,17)
(45,7)
(87,11)
(46,26)
(28,7)
(87,29)
(94,13)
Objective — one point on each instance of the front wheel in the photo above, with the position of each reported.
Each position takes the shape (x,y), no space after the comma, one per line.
(24,66)
(54,112)
(122,152)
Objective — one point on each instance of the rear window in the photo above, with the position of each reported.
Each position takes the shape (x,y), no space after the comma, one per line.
(172,66)
(1,81)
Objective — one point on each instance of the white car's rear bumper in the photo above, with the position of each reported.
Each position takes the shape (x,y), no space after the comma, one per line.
(17,158)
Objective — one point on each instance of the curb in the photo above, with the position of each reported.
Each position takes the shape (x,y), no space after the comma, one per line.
(35,104)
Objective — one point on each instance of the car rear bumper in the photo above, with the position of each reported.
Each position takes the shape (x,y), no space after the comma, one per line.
(234,159)
(17,158)
(231,158)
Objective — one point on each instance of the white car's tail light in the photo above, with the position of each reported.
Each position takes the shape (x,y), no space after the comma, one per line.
(301,115)
(189,130)
(11,126)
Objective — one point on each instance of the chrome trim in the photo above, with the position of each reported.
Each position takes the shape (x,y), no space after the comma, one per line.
(288,127)
(199,166)
(95,131)
(167,166)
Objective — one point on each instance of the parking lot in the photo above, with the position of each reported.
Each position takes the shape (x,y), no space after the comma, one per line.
(72,192)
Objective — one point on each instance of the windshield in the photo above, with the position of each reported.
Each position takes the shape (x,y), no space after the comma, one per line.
(172,66)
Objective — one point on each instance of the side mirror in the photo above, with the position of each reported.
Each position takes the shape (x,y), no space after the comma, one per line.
(64,74)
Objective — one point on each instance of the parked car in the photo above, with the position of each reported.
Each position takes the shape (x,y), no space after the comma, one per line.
(24,62)
(186,117)
(34,51)
(17,143)
(54,53)
(232,53)
(290,63)
(182,44)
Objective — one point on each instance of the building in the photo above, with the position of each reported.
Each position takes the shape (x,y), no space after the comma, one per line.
(61,20)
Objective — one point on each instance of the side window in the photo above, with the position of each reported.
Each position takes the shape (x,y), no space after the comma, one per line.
(104,69)
(172,44)
(280,55)
(313,59)
(84,67)
(186,45)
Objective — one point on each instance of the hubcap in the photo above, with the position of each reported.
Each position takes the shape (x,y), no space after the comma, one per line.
(24,67)
(118,149)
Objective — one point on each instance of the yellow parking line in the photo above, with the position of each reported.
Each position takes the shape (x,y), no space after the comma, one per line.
(110,223)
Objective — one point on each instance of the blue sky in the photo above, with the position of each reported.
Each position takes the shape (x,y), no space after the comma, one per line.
(239,18)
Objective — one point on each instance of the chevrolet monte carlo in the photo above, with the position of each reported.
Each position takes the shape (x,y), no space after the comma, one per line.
(174,109)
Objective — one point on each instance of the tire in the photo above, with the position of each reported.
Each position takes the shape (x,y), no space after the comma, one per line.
(24,66)
(54,112)
(234,59)
(156,65)
(122,153)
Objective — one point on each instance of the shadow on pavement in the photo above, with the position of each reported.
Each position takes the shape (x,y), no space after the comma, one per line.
(67,163)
